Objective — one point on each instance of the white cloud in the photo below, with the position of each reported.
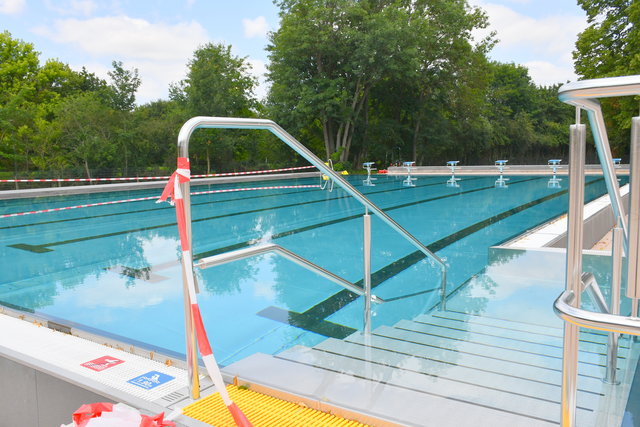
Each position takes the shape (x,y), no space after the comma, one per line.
(545,73)
(543,43)
(255,27)
(72,7)
(159,51)
(258,70)
(11,7)
(129,38)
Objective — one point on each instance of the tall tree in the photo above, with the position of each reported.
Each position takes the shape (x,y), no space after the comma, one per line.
(608,47)
(328,56)
(124,84)
(217,84)
(122,97)
(18,67)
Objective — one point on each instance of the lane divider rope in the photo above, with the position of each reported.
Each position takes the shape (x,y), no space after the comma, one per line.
(149,178)
(173,191)
(139,199)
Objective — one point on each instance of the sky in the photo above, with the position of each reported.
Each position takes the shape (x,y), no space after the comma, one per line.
(158,37)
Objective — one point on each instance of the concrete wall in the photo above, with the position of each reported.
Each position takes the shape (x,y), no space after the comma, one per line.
(595,227)
(30,398)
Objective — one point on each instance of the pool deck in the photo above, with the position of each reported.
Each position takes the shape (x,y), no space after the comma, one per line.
(509,170)
(130,186)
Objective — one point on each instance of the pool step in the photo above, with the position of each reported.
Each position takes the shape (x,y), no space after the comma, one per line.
(494,371)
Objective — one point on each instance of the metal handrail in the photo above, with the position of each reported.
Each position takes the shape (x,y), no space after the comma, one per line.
(239,254)
(590,286)
(589,319)
(584,94)
(261,124)
(242,123)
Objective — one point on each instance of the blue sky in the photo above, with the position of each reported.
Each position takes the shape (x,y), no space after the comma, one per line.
(158,37)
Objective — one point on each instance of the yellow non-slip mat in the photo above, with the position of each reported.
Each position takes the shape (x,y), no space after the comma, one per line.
(262,411)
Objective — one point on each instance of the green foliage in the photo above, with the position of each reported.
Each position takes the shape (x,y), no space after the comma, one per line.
(608,47)
(354,80)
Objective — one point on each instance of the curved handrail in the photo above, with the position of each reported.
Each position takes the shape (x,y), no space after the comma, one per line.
(243,123)
(584,94)
(589,319)
(572,93)
(301,261)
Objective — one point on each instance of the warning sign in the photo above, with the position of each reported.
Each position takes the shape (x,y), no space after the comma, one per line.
(150,380)
(102,363)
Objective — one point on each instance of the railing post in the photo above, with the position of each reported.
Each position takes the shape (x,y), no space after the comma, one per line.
(190,336)
(614,304)
(633,268)
(367,272)
(574,270)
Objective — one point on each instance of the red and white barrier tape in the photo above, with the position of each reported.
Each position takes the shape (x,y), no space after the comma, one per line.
(181,175)
(149,178)
(196,193)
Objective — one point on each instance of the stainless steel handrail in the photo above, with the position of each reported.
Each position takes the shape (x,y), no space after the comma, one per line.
(301,261)
(584,94)
(590,286)
(589,319)
(242,123)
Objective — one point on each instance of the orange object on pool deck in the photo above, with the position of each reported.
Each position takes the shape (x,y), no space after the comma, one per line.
(382,171)
(262,410)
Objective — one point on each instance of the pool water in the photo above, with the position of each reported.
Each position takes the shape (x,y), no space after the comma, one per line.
(115,269)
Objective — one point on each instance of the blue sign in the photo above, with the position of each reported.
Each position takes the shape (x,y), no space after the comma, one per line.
(150,380)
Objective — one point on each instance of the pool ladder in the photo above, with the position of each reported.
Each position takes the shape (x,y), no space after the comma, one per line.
(261,124)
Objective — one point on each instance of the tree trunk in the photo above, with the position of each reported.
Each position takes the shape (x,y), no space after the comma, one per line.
(416,131)
(208,162)
(86,168)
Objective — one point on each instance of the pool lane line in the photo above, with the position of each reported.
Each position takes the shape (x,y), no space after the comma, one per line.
(340,299)
(342,219)
(81,198)
(43,248)
(159,208)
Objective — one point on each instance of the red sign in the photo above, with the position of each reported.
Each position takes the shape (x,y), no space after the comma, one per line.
(102,363)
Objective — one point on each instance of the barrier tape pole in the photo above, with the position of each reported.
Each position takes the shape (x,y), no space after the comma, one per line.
(197,193)
(149,178)
(172,190)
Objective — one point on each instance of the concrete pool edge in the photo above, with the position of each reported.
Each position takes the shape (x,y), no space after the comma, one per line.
(46,382)
(105,188)
(598,220)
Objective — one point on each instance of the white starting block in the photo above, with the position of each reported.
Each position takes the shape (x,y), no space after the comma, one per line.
(554,182)
(369,166)
(408,182)
(501,182)
(453,181)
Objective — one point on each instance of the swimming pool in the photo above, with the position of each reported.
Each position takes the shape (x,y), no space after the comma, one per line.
(115,268)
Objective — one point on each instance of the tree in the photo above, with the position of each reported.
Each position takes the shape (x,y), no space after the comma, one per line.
(609,47)
(122,97)
(86,131)
(18,67)
(329,56)
(124,84)
(217,84)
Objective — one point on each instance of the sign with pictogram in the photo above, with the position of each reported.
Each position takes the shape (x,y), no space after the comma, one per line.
(150,380)
(102,363)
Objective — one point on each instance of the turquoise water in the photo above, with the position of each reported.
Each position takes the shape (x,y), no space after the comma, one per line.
(115,268)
